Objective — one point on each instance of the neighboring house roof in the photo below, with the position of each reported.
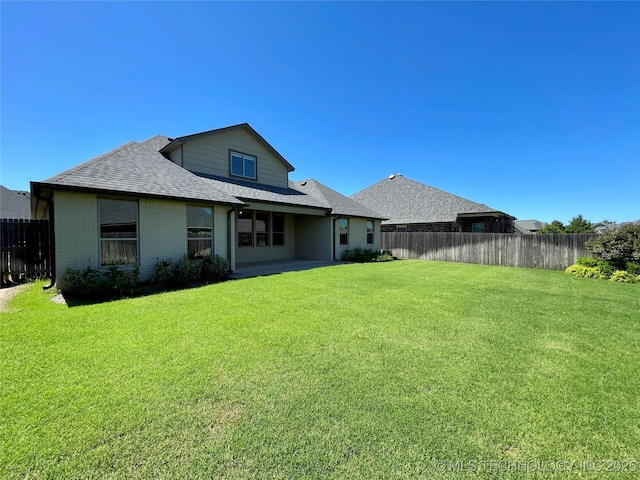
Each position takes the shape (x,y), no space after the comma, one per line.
(244,126)
(15,204)
(338,203)
(528,226)
(405,201)
(136,168)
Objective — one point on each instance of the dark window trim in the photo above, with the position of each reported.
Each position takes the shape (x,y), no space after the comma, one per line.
(245,177)
(102,266)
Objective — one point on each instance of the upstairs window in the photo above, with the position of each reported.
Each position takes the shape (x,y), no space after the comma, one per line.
(118,231)
(199,231)
(343,225)
(242,165)
(369,232)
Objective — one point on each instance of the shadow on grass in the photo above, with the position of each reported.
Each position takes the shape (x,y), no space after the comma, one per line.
(141,290)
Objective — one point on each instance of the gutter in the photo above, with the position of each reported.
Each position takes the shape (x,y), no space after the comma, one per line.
(229,239)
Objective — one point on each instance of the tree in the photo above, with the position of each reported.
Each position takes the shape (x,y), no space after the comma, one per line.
(554,227)
(579,224)
(617,247)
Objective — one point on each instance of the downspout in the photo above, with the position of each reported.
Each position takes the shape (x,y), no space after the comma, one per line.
(52,243)
(333,233)
(229,239)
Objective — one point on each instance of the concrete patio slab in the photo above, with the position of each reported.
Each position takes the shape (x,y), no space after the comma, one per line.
(260,269)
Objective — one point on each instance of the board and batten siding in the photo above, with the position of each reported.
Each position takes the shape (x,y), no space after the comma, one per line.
(209,155)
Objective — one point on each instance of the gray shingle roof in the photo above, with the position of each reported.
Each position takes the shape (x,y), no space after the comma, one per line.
(136,168)
(247,190)
(529,225)
(338,203)
(14,204)
(403,200)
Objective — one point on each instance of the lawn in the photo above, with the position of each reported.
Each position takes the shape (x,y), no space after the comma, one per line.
(407,369)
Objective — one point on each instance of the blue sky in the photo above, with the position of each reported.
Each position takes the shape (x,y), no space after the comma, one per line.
(530,108)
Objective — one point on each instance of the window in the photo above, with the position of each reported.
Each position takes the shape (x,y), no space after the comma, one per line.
(262,229)
(245,228)
(118,231)
(369,232)
(199,231)
(477,227)
(278,229)
(343,225)
(243,165)
(401,228)
(254,229)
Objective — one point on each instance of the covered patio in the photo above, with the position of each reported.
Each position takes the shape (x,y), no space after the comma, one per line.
(261,269)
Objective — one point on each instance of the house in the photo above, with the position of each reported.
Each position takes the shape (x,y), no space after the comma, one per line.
(14,204)
(411,206)
(224,192)
(527,227)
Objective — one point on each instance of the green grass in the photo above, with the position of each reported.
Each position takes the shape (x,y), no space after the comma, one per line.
(353,371)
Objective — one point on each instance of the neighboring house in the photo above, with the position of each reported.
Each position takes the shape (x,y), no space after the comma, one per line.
(224,192)
(527,227)
(411,206)
(14,204)
(603,227)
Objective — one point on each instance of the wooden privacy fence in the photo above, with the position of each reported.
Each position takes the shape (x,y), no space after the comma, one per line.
(26,249)
(549,252)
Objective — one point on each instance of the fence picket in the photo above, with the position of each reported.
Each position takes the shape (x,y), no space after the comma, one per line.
(25,249)
(550,252)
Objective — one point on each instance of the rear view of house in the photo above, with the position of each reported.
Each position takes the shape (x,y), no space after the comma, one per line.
(222,192)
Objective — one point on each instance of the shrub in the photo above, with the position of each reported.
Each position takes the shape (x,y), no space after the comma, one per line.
(121,280)
(582,271)
(619,247)
(363,255)
(164,271)
(215,269)
(359,255)
(606,269)
(624,277)
(188,270)
(633,268)
(81,283)
(587,261)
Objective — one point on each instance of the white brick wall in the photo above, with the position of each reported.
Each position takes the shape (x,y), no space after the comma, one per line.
(76,230)
(162,233)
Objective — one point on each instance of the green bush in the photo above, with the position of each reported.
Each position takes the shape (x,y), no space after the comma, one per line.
(215,269)
(164,271)
(606,269)
(624,277)
(619,247)
(81,283)
(121,280)
(363,255)
(188,270)
(633,268)
(587,261)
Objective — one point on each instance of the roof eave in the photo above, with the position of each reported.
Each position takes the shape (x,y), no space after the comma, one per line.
(105,191)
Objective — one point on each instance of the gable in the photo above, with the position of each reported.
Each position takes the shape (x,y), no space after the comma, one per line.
(208,154)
